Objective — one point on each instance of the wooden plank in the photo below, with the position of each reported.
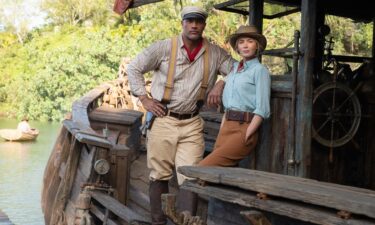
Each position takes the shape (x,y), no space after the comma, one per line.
(113,115)
(86,135)
(355,200)
(96,211)
(292,209)
(51,179)
(280,85)
(63,192)
(117,208)
(305,87)
(122,176)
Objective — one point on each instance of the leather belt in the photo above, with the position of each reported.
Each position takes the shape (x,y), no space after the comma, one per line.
(182,116)
(239,116)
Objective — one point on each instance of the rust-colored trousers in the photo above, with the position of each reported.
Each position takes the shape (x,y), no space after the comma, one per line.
(230,146)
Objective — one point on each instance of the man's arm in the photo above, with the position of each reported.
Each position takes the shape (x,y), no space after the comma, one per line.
(146,61)
(214,96)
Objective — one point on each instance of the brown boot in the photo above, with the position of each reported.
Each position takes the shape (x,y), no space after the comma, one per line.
(157,188)
(187,201)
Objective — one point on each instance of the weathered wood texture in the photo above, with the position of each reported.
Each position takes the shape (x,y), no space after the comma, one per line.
(84,174)
(305,88)
(66,184)
(124,120)
(255,217)
(273,145)
(117,208)
(86,135)
(355,200)
(279,211)
(51,178)
(101,216)
(117,116)
(273,148)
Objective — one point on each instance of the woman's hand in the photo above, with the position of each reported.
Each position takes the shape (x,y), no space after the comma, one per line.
(253,126)
(153,106)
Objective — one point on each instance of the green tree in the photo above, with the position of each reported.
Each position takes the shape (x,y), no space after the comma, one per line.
(74,12)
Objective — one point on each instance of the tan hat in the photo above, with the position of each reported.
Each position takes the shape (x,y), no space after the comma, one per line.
(190,12)
(248,31)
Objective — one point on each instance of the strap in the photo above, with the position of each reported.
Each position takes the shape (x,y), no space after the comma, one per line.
(171,71)
(206,71)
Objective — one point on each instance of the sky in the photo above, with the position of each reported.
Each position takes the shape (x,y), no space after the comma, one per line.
(25,11)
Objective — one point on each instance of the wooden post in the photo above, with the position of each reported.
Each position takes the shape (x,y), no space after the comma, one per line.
(373,39)
(256,13)
(305,87)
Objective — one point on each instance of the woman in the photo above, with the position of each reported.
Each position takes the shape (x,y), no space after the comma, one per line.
(246,99)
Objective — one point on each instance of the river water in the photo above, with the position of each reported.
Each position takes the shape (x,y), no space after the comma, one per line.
(21,172)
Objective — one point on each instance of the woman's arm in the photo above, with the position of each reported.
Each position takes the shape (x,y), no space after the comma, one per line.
(253,126)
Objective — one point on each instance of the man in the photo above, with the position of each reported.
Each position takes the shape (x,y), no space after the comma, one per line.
(24,126)
(176,136)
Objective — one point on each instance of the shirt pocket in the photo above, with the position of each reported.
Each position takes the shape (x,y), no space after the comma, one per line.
(247,82)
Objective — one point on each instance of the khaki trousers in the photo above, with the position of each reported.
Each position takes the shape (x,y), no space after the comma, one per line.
(172,143)
(231,146)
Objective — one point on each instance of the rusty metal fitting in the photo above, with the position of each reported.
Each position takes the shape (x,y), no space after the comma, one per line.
(262,196)
(344,214)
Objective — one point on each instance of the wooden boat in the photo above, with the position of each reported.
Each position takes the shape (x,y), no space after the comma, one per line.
(97,174)
(17,135)
(97,171)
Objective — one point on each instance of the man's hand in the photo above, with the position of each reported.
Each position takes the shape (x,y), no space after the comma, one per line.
(214,97)
(153,106)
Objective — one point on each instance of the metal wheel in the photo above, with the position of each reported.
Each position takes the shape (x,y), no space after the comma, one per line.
(336,114)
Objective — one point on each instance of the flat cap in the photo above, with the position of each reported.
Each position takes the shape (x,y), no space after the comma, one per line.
(190,12)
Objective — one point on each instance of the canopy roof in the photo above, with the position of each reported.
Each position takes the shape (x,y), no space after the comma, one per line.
(359,10)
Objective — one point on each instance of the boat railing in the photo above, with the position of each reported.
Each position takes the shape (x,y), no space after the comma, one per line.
(246,191)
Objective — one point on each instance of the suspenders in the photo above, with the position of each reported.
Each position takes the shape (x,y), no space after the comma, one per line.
(172,70)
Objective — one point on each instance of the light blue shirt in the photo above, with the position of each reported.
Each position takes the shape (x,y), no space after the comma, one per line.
(249,89)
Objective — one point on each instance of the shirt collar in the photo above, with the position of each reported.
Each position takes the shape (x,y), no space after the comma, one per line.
(202,50)
(247,64)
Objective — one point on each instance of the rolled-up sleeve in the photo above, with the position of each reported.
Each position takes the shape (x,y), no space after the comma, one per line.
(263,92)
(146,61)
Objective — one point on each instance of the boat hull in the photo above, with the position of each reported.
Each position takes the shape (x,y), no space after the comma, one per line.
(16,135)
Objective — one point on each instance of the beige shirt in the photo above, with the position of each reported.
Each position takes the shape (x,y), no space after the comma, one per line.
(188,75)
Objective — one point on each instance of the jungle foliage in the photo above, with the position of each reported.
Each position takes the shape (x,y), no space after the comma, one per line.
(84,41)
